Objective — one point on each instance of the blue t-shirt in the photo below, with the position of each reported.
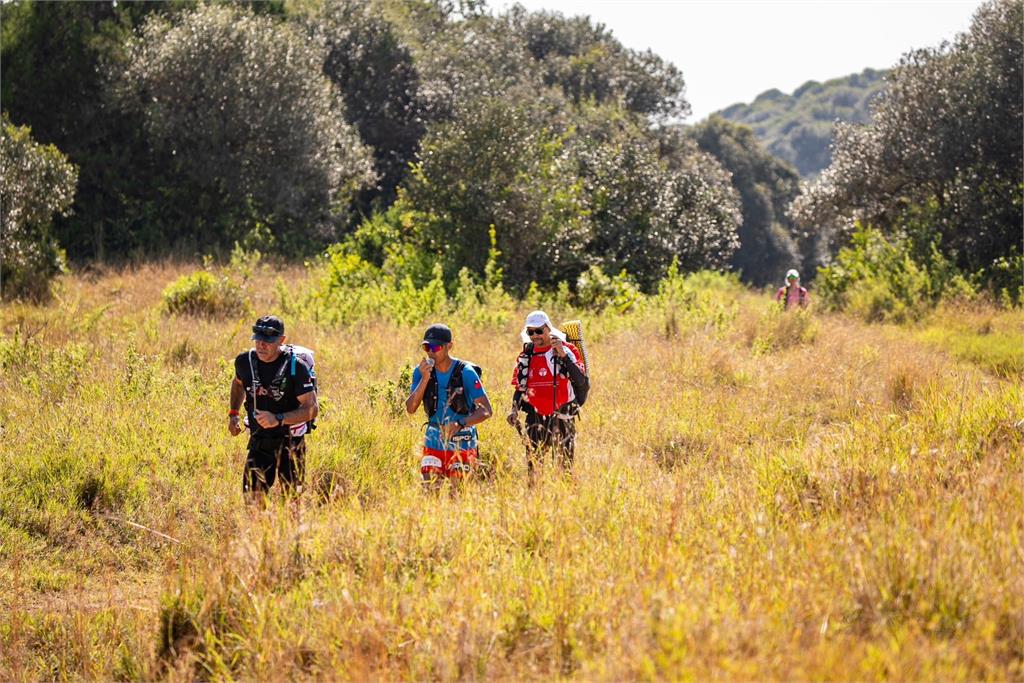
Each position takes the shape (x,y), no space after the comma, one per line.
(474,391)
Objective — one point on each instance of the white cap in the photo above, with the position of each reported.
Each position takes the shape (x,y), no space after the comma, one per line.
(792,273)
(539,319)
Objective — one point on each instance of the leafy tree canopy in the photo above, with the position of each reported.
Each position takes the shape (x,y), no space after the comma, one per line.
(240,104)
(766,186)
(947,134)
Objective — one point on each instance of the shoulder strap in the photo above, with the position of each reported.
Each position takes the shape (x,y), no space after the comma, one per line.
(430,395)
(457,381)
(523,368)
(255,377)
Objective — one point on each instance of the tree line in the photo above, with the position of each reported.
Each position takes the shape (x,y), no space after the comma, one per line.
(409,130)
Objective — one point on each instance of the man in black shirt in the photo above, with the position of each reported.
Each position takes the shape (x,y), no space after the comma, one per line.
(278,389)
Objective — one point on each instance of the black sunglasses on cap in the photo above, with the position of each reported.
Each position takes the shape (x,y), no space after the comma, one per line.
(266,331)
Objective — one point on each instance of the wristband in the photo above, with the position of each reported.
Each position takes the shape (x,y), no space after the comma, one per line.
(232,413)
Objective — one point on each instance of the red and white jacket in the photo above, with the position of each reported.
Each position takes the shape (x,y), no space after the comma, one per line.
(547,390)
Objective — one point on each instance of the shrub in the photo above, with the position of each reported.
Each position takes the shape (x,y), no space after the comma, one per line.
(1005,277)
(596,290)
(239,103)
(883,280)
(701,299)
(203,294)
(388,395)
(37,182)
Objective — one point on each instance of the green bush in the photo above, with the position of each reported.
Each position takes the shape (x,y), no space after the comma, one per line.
(596,290)
(703,299)
(1005,277)
(890,280)
(352,287)
(204,294)
(37,182)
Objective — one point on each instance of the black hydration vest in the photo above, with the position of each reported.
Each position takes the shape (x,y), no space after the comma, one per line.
(456,390)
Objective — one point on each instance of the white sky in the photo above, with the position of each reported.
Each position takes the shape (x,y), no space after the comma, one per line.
(732,50)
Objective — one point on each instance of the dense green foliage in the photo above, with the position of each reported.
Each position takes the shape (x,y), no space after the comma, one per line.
(883,280)
(378,79)
(589,65)
(943,152)
(53,56)
(652,204)
(227,124)
(798,128)
(493,166)
(441,136)
(36,182)
(766,186)
(256,132)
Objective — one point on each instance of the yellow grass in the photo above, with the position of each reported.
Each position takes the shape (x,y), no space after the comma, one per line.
(844,507)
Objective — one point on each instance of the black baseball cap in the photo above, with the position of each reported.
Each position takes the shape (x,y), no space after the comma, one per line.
(437,334)
(268,329)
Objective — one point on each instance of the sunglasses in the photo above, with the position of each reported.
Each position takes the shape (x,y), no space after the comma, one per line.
(531,331)
(266,331)
(433,348)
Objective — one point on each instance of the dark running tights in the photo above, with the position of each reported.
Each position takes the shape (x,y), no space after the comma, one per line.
(549,432)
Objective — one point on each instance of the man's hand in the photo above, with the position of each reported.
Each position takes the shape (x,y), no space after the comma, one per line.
(266,419)
(512,417)
(449,429)
(234,425)
(425,367)
(556,344)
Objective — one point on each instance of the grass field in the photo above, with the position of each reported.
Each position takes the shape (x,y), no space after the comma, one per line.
(756,496)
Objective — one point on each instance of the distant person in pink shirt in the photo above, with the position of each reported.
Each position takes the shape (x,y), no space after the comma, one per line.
(792,295)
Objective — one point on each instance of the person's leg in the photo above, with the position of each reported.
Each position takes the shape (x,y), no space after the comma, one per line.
(432,468)
(459,464)
(538,435)
(291,465)
(260,468)
(565,445)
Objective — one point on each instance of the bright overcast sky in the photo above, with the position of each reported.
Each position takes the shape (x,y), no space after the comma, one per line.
(732,50)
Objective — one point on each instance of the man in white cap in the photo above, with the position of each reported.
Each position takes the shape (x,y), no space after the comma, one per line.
(549,374)
(791,294)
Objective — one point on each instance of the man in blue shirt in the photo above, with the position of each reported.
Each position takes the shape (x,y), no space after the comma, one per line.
(454,401)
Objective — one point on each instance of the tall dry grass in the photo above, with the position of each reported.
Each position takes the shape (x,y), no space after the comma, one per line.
(755,497)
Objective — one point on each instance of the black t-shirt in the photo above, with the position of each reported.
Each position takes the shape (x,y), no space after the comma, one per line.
(278,390)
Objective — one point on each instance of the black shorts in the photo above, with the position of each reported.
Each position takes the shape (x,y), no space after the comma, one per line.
(272,457)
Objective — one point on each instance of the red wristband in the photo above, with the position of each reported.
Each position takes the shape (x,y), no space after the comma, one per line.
(232,413)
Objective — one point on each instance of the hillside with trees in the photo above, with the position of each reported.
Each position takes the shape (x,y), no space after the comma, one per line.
(798,127)
(938,170)
(769,244)
(425,136)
